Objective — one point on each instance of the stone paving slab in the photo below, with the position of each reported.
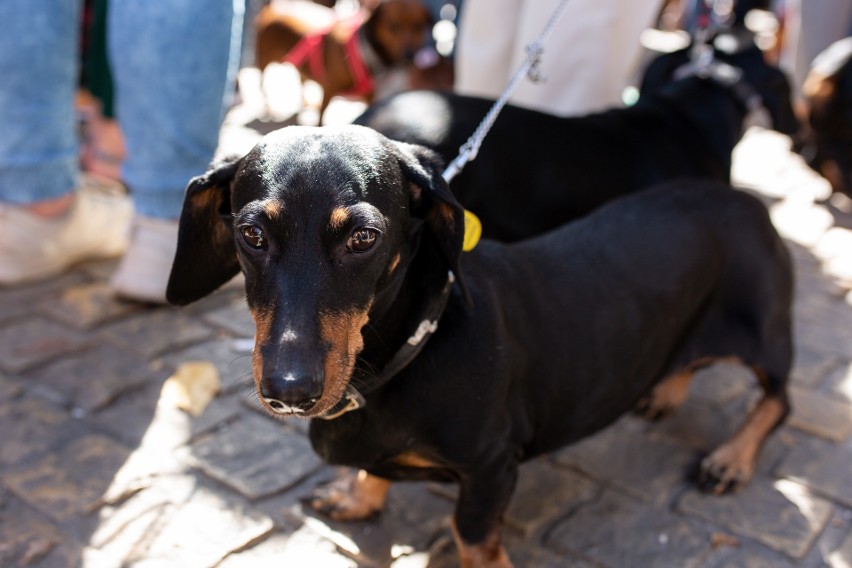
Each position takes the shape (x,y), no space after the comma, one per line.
(234,366)
(200,532)
(842,556)
(617,530)
(415,516)
(70,482)
(722,383)
(820,415)
(545,492)
(92,379)
(154,332)
(19,301)
(839,382)
(302,547)
(783,515)
(34,341)
(34,427)
(27,537)
(234,316)
(647,468)
(275,459)
(86,306)
(811,369)
(8,389)
(825,467)
(825,327)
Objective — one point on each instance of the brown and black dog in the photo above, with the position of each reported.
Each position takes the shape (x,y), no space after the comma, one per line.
(343,56)
(418,362)
(827,137)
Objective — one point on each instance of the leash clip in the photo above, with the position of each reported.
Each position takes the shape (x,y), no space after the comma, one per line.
(534,53)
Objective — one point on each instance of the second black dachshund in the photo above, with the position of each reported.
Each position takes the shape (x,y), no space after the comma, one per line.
(536,171)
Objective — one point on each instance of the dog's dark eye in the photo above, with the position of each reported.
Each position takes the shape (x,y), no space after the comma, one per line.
(254,237)
(362,240)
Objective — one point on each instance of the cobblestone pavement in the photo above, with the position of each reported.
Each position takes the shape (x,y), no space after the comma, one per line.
(98,469)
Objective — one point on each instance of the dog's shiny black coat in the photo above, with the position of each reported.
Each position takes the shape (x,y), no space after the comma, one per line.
(536,171)
(561,334)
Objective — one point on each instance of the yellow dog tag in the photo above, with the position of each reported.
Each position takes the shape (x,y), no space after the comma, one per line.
(472,231)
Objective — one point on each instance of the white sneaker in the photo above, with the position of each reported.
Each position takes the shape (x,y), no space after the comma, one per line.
(33,247)
(143,272)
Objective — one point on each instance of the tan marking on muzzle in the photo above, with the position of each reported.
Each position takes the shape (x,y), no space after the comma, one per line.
(342,332)
(263,329)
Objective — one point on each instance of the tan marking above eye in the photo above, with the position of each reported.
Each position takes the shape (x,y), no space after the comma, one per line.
(272,209)
(338,217)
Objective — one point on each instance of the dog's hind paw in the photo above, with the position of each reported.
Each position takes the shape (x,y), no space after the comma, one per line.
(725,471)
(350,497)
(665,398)
(653,409)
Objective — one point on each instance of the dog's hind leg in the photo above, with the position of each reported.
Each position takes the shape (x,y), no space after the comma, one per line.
(770,355)
(732,464)
(351,497)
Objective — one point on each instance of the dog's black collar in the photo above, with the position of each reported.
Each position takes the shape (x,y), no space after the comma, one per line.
(353,399)
(704,65)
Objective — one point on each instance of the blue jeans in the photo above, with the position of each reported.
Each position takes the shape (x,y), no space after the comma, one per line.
(174,64)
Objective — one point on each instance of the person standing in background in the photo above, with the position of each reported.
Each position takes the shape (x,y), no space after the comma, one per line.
(174,65)
(588,59)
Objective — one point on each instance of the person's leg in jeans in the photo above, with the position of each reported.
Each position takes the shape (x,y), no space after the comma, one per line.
(49,218)
(174,65)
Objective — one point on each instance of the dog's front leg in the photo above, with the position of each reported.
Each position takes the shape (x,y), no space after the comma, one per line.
(351,497)
(478,520)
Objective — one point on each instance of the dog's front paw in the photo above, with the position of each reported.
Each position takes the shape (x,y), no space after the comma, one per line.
(350,497)
(726,470)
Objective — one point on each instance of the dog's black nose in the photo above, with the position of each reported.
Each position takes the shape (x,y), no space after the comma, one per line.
(291,393)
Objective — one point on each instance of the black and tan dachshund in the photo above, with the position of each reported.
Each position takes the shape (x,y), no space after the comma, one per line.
(826,141)
(416,361)
(536,171)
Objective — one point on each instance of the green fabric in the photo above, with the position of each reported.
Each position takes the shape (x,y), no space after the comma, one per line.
(98,77)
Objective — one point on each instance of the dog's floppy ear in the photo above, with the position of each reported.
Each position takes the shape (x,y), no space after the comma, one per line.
(432,201)
(206,256)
